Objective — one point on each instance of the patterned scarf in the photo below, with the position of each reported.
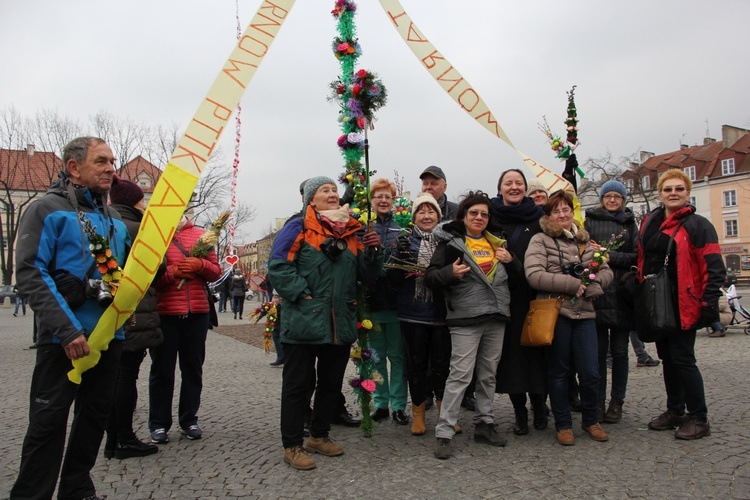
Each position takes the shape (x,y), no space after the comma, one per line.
(427,245)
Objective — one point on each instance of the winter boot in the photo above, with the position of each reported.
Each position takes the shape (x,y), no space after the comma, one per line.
(522,421)
(418,425)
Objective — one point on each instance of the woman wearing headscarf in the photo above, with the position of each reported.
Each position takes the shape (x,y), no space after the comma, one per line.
(614,319)
(469,265)
(315,264)
(521,370)
(555,263)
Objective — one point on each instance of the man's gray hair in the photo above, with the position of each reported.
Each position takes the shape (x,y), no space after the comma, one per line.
(78,148)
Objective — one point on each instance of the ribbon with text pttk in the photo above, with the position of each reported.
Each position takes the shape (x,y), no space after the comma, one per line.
(461,90)
(175,187)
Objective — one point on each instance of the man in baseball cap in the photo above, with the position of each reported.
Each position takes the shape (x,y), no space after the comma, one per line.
(434,182)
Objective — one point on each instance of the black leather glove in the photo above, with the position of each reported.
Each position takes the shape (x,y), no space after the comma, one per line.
(569,174)
(709,315)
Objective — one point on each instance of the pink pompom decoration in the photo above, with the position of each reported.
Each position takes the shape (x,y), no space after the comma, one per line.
(368,385)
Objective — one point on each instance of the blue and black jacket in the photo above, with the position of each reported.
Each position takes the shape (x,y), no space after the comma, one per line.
(50,238)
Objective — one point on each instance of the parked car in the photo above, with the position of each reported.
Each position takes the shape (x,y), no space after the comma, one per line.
(7,291)
(249,295)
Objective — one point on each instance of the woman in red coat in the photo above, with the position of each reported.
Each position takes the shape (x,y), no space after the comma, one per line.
(183,305)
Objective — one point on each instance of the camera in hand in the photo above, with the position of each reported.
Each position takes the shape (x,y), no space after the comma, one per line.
(333,247)
(575,269)
(99,290)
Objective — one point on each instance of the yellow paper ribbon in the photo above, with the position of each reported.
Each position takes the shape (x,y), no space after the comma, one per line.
(461,91)
(175,187)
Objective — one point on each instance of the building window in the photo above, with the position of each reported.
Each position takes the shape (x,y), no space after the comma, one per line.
(629,184)
(646,182)
(730,198)
(730,228)
(691,200)
(690,172)
(727,166)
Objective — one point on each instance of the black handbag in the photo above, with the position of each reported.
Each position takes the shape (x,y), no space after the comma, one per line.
(656,313)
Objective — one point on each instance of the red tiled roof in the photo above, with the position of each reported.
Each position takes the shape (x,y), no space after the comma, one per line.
(137,168)
(19,171)
(704,158)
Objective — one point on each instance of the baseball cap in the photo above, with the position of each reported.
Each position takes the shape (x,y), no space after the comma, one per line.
(433,171)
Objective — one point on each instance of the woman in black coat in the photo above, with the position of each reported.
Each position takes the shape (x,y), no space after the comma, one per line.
(614,319)
(237,290)
(142,331)
(521,370)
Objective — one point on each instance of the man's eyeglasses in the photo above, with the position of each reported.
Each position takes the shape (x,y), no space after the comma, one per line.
(612,197)
(385,197)
(477,213)
(678,189)
(564,211)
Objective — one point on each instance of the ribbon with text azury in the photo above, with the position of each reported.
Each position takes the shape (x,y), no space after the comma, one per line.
(462,92)
(176,184)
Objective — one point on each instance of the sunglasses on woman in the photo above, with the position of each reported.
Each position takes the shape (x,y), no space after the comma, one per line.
(678,189)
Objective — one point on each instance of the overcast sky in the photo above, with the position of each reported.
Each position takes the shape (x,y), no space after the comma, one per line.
(650,74)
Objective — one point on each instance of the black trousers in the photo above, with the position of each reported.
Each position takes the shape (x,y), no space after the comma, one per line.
(126,396)
(299,367)
(184,337)
(682,378)
(51,396)
(428,351)
(238,305)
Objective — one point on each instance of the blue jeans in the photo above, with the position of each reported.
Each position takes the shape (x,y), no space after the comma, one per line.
(574,345)
(614,340)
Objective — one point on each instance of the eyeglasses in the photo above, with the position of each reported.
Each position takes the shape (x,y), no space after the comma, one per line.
(564,211)
(612,197)
(477,213)
(678,189)
(385,197)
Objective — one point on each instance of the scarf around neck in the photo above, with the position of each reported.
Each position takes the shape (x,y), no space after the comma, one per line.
(524,212)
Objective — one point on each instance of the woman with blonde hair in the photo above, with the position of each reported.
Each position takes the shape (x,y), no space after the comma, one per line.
(687,242)
(382,303)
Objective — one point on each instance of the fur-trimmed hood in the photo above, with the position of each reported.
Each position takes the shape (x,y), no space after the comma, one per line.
(555,230)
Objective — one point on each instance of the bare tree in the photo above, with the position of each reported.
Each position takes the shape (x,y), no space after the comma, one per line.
(267,230)
(25,174)
(126,138)
(31,149)
(626,169)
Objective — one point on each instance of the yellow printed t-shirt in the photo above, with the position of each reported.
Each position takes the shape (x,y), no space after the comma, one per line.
(482,252)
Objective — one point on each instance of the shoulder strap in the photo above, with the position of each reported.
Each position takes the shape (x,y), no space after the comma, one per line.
(180,248)
(671,241)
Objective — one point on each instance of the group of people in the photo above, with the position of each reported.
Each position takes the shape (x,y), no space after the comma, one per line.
(448,298)
(57,272)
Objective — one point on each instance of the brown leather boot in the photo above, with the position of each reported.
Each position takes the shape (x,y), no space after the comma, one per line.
(297,457)
(693,428)
(565,437)
(596,432)
(667,421)
(417,424)
(324,446)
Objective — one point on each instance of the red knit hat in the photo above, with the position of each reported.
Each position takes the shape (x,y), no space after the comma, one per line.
(125,192)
